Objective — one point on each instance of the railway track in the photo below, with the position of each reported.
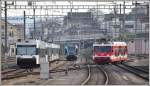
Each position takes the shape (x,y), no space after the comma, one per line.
(96,80)
(8,60)
(14,73)
(17,72)
(8,71)
(137,57)
(139,72)
(136,68)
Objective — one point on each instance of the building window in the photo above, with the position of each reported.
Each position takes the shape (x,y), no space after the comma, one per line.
(128,26)
(10,34)
(3,27)
(3,33)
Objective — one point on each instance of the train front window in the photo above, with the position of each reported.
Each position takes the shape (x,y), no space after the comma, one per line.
(71,48)
(102,48)
(26,50)
(31,50)
(21,50)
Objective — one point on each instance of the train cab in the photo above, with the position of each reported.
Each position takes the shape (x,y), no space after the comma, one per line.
(101,53)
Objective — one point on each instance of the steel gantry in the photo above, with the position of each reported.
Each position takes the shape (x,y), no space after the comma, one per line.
(69,7)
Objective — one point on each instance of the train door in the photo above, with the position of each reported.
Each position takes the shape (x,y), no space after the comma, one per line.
(123,53)
(12,51)
(115,53)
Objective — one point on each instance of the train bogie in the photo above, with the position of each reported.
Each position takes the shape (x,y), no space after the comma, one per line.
(71,57)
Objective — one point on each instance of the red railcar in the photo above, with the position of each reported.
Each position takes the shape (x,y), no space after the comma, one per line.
(110,53)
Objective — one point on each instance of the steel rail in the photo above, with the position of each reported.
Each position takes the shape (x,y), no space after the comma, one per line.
(145,71)
(11,70)
(106,75)
(88,78)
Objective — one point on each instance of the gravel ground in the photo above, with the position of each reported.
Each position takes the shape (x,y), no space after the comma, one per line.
(29,78)
(74,77)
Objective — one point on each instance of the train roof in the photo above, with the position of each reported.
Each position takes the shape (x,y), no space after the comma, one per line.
(101,44)
(52,45)
(38,43)
(111,44)
(119,43)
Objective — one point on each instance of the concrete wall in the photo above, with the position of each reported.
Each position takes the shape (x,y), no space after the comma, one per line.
(138,46)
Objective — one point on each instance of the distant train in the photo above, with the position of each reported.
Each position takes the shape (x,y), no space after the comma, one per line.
(110,53)
(29,52)
(71,52)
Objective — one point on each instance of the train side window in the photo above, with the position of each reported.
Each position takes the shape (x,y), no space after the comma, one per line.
(120,50)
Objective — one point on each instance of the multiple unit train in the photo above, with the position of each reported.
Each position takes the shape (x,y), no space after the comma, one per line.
(110,52)
(28,53)
(71,52)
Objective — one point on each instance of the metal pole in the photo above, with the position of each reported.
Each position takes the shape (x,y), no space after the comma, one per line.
(0,37)
(115,20)
(5,27)
(148,32)
(120,23)
(42,31)
(24,25)
(135,26)
(34,23)
(123,26)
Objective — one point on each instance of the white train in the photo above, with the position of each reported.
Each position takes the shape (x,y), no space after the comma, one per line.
(29,52)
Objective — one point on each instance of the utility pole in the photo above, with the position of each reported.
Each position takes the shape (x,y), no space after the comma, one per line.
(5,27)
(24,25)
